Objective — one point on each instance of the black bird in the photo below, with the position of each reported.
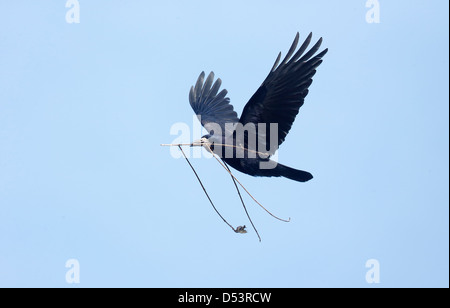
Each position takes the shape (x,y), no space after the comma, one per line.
(246,144)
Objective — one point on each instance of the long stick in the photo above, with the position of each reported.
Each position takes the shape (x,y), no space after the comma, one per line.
(288,220)
(265,155)
(195,144)
(198,178)
(245,208)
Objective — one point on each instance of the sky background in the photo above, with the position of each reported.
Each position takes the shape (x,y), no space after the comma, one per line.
(84,108)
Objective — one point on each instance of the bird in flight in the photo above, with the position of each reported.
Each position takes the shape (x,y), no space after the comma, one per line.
(248,142)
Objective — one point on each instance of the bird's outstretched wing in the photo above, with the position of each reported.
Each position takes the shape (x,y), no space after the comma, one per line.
(282,93)
(210,105)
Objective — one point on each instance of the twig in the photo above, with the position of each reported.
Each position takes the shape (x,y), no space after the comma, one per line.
(288,220)
(238,229)
(245,208)
(265,155)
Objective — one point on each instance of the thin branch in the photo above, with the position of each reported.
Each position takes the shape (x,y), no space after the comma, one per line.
(245,208)
(238,229)
(288,220)
(265,155)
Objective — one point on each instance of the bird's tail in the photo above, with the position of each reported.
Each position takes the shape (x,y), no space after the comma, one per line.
(293,174)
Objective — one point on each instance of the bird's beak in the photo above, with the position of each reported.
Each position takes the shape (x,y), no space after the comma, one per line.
(200,142)
(197,143)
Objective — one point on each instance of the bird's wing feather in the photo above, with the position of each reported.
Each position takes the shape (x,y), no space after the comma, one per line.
(282,93)
(210,105)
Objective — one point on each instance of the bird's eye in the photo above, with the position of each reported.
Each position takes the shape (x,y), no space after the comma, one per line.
(211,147)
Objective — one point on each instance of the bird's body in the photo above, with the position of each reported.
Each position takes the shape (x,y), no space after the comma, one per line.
(246,143)
(247,161)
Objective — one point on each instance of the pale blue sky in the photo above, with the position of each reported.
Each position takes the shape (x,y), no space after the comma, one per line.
(84,107)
